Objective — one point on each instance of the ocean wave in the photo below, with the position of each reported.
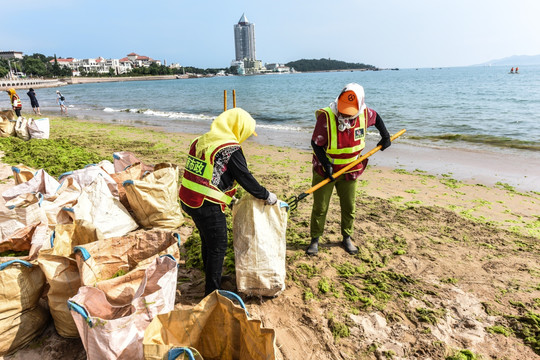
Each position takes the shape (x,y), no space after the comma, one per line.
(498,141)
(171,115)
(280,127)
(164,114)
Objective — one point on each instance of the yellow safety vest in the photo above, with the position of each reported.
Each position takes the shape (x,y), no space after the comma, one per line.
(16,101)
(196,169)
(334,145)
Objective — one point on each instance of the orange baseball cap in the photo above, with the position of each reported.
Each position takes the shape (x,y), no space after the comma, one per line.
(348,103)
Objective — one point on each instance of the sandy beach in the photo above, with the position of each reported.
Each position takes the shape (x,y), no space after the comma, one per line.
(448,258)
(475,164)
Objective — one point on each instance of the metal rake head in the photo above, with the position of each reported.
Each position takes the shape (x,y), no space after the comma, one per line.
(294,200)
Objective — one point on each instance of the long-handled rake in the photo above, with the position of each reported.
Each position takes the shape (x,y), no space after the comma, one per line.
(293,201)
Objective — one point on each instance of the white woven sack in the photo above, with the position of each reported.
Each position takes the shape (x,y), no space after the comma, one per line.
(86,176)
(21,128)
(66,196)
(259,246)
(41,183)
(154,199)
(16,218)
(115,331)
(98,206)
(107,166)
(38,128)
(21,316)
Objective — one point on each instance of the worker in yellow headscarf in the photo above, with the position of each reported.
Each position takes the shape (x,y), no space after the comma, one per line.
(215,164)
(16,103)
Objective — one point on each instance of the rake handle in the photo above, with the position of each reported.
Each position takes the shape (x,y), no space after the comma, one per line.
(353,164)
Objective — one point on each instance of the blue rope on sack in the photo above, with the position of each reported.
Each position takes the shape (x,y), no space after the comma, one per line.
(64,174)
(169,256)
(127,182)
(80,310)
(52,238)
(85,254)
(130,165)
(283,204)
(174,353)
(59,186)
(116,156)
(15,261)
(15,169)
(232,296)
(177,236)
(40,197)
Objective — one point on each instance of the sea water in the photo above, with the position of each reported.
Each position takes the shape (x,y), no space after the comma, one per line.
(464,107)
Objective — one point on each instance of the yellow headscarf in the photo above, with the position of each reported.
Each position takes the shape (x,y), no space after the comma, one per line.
(11,92)
(232,126)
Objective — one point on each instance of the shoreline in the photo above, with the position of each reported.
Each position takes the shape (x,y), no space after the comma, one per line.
(519,169)
(25,83)
(90,80)
(468,165)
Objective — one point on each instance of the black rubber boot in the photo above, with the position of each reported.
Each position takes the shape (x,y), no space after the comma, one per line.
(313,248)
(349,246)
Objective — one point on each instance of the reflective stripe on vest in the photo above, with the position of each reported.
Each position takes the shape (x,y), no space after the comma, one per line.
(333,146)
(207,191)
(16,101)
(205,170)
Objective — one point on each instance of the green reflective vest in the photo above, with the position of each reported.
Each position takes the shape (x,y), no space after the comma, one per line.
(198,176)
(337,152)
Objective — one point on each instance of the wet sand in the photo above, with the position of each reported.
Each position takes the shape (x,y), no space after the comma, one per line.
(520,169)
(474,164)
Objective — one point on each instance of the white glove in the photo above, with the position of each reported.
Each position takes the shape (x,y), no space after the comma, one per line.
(271,199)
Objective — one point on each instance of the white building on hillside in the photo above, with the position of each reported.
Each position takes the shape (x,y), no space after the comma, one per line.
(11,54)
(101,65)
(279,68)
(140,60)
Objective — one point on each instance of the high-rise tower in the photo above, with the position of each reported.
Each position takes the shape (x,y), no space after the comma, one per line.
(244,40)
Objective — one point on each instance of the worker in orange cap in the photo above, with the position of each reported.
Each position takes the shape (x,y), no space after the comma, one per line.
(337,140)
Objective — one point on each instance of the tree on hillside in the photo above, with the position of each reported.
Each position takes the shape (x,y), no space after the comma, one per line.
(33,66)
(4,68)
(326,65)
(55,67)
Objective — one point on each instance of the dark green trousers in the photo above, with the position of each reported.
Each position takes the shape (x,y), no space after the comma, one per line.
(346,190)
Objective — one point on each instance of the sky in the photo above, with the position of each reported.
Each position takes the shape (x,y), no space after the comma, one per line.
(383,33)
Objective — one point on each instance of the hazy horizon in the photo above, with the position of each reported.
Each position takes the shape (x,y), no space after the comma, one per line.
(387,34)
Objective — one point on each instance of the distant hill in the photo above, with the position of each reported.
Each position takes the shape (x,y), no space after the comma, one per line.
(516,60)
(326,65)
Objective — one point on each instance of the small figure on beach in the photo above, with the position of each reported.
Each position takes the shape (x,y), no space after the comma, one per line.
(512,70)
(215,164)
(61,100)
(337,140)
(15,100)
(33,101)
(517,69)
